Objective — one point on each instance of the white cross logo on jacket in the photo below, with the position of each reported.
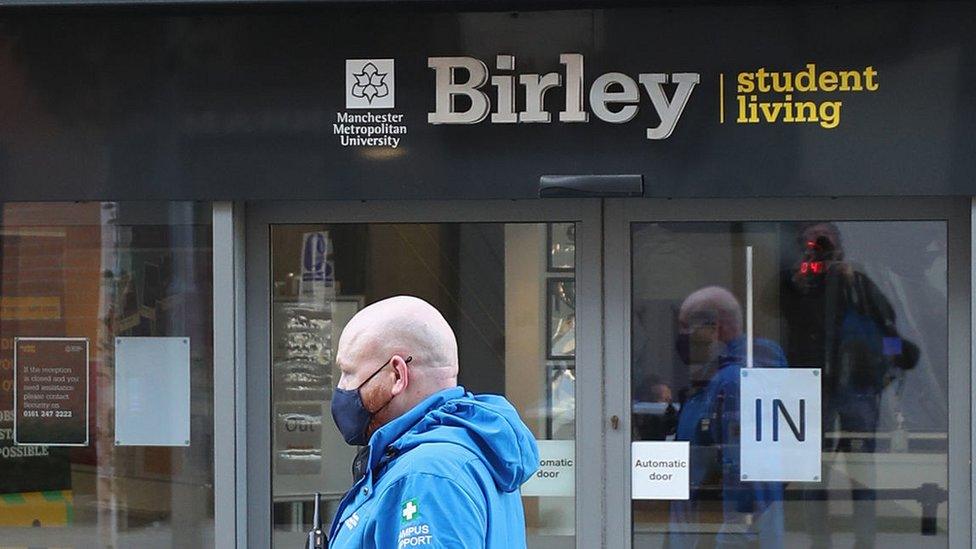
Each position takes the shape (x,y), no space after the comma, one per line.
(409,510)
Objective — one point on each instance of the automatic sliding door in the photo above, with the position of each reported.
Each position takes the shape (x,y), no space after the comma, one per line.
(863,304)
(509,291)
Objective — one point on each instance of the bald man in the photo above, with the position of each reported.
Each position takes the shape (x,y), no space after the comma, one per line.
(439,467)
(713,346)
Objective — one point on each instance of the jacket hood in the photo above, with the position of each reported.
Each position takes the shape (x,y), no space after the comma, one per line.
(486,425)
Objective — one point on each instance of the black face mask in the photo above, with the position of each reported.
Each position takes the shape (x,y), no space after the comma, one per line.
(349,412)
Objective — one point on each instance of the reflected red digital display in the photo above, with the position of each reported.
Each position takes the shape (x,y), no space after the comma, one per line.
(812,267)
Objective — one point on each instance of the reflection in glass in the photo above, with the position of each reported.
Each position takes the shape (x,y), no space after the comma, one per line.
(561,319)
(711,343)
(864,302)
(102,271)
(562,247)
(562,403)
(490,280)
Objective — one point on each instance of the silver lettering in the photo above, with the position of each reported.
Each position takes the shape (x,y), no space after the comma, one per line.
(668,112)
(614,97)
(574,89)
(601,96)
(447,89)
(506,91)
(535,96)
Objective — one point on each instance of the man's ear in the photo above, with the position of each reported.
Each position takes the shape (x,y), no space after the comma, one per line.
(401,375)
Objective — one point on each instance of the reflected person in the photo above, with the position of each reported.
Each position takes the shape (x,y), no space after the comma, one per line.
(712,344)
(837,319)
(439,467)
(655,416)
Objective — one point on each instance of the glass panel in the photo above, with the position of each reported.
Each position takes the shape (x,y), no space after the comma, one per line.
(866,302)
(507,289)
(95,272)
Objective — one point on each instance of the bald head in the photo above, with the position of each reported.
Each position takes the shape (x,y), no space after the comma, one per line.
(394,330)
(713,305)
(403,324)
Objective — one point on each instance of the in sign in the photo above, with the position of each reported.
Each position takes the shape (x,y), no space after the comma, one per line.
(781,433)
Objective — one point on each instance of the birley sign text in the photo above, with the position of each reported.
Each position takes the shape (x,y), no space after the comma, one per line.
(614,97)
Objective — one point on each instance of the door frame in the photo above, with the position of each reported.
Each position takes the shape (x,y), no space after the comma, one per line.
(620,213)
(590,471)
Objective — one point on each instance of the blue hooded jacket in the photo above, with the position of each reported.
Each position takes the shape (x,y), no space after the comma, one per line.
(445,474)
(709,420)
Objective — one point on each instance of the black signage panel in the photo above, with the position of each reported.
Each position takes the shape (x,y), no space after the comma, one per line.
(27,468)
(51,391)
(387,103)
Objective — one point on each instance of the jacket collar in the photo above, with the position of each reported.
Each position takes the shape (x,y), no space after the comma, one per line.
(381,440)
(389,433)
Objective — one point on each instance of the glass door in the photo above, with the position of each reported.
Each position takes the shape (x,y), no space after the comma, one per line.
(519,283)
(792,373)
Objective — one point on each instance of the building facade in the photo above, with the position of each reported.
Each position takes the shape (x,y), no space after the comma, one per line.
(719,257)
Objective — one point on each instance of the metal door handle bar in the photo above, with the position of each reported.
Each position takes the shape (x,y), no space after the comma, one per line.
(595,186)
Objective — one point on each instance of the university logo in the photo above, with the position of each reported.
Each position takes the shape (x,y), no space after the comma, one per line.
(369,84)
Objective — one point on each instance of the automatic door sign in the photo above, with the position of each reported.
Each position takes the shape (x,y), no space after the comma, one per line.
(556,475)
(51,391)
(659,470)
(781,433)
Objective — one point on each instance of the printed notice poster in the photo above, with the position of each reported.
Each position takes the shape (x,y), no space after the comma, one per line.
(51,391)
(556,475)
(660,469)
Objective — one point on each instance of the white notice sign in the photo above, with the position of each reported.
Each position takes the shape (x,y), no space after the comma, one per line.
(781,433)
(152,391)
(659,470)
(557,470)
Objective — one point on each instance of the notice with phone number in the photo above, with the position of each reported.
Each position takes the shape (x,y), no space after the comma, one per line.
(51,391)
